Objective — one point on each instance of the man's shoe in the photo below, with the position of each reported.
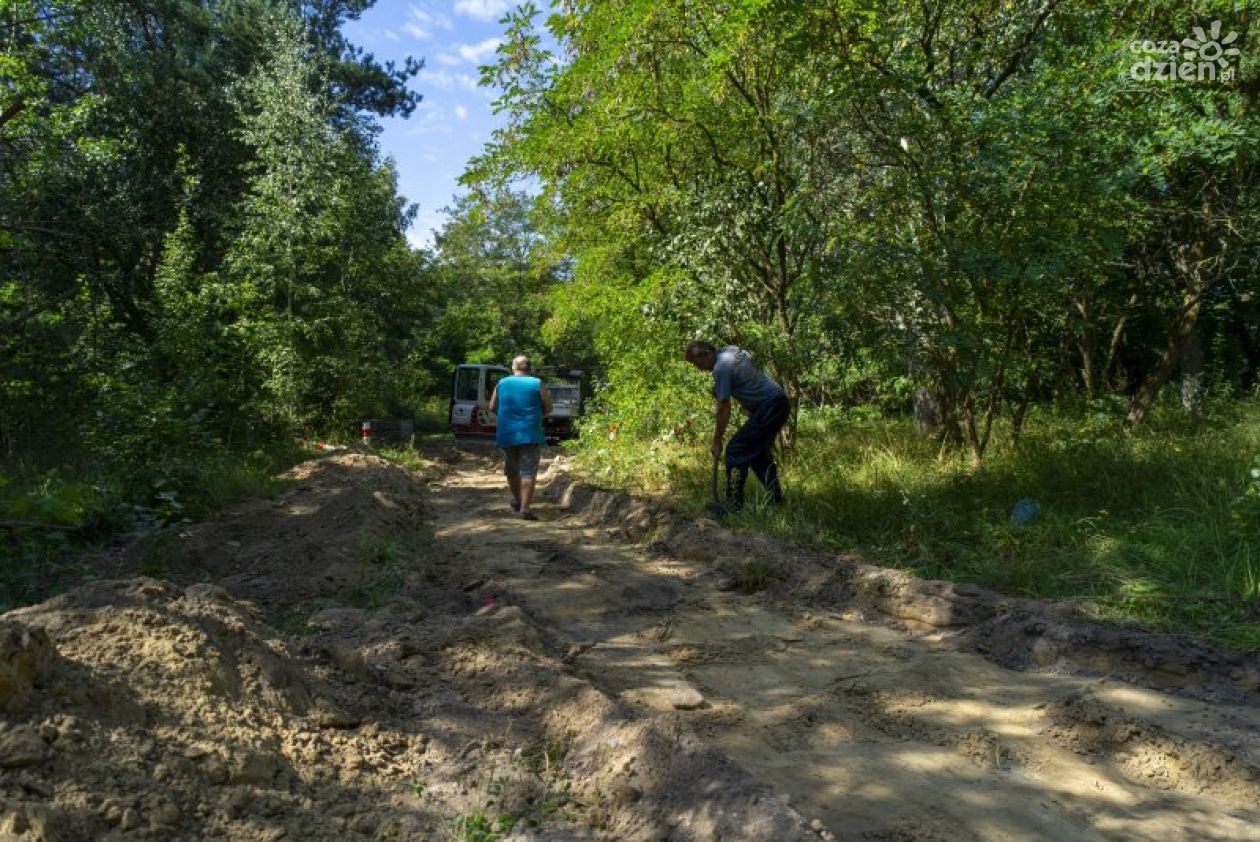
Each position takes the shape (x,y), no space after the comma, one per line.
(528,516)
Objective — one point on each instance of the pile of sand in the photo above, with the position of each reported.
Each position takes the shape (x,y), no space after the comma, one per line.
(402,702)
(347,517)
(140,708)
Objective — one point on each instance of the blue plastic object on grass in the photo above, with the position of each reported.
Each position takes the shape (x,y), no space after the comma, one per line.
(1025,512)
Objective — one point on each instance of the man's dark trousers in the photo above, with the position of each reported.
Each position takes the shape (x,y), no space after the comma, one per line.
(751,447)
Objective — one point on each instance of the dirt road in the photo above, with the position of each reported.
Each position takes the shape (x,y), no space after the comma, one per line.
(877,732)
(382,655)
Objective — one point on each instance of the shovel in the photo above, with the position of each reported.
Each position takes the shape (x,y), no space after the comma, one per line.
(717,506)
(713,485)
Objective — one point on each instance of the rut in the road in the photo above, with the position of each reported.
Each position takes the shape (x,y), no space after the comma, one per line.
(877,731)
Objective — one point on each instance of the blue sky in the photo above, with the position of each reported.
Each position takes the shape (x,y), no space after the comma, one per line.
(454,120)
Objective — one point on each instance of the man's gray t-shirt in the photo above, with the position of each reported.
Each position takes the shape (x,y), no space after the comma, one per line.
(734,375)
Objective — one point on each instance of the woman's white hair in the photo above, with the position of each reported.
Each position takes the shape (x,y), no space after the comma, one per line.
(520,363)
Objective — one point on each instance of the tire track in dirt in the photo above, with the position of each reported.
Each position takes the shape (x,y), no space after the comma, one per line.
(877,732)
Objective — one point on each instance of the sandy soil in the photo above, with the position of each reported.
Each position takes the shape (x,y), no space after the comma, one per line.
(381,655)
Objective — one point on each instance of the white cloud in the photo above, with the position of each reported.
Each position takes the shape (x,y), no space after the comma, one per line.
(482,9)
(440,79)
(461,112)
(478,53)
(462,54)
(445,80)
(422,23)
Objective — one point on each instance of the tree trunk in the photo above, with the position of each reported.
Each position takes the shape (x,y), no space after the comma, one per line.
(973,432)
(1178,336)
(1019,413)
(927,412)
(791,375)
(14,109)
(1113,351)
(1088,346)
(1065,379)
(792,385)
(1192,374)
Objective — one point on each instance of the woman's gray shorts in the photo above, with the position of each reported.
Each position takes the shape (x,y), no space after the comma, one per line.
(522,460)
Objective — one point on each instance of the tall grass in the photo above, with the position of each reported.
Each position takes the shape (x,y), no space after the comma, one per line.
(54,519)
(1160,528)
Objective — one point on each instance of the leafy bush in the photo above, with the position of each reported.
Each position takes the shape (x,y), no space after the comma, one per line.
(53,522)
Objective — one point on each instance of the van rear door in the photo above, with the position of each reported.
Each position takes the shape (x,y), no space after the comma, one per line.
(471,387)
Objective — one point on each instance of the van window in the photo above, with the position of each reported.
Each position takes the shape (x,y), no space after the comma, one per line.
(492,379)
(466,384)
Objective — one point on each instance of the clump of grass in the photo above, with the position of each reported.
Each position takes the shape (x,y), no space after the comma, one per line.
(408,457)
(481,827)
(542,759)
(379,570)
(644,468)
(755,574)
(292,620)
(496,819)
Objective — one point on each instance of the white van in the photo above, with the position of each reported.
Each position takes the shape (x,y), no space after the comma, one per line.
(472,421)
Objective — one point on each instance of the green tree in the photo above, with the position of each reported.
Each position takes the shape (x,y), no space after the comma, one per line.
(490,279)
(923,197)
(197,236)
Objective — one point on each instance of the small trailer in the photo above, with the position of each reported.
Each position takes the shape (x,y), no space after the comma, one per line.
(565,387)
(472,422)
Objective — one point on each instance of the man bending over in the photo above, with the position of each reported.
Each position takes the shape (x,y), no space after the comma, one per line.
(735,376)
